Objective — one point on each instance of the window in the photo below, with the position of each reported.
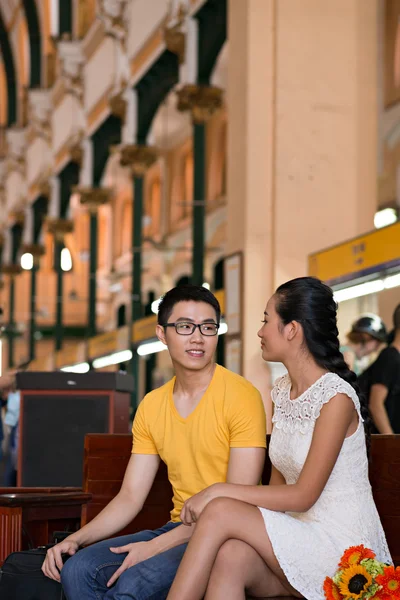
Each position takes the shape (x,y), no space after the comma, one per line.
(126,234)
(152,209)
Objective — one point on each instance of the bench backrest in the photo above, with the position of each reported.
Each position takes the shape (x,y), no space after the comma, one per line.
(106,457)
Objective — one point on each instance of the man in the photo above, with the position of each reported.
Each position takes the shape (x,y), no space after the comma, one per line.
(207,424)
(383,381)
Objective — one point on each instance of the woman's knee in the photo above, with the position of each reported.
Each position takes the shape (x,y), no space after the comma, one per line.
(218,510)
(232,554)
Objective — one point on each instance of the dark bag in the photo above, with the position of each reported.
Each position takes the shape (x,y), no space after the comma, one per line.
(21,578)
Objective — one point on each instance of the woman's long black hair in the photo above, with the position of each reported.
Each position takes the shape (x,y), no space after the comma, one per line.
(310,302)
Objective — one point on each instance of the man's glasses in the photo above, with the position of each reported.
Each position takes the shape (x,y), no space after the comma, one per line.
(185,328)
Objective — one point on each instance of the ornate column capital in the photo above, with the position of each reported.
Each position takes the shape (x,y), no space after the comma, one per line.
(93,198)
(72,62)
(39,109)
(138,157)
(37,250)
(172,28)
(201,100)
(117,104)
(11,269)
(114,15)
(17,217)
(59,227)
(16,142)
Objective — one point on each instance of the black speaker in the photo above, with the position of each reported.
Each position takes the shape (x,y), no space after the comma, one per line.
(53,422)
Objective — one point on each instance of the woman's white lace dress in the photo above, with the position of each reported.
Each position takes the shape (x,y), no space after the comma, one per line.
(309,545)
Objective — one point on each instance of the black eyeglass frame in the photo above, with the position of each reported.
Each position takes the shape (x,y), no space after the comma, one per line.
(194,325)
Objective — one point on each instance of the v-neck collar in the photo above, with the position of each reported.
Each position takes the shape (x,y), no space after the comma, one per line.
(199,404)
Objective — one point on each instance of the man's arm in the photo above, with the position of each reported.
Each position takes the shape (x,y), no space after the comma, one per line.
(245,467)
(377,399)
(138,479)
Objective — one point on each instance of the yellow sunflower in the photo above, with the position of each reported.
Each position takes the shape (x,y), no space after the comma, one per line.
(354,582)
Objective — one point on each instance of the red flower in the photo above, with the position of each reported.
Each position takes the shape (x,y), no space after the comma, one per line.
(331,590)
(354,555)
(390,582)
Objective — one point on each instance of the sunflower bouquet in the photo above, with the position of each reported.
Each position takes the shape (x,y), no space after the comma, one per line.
(361,577)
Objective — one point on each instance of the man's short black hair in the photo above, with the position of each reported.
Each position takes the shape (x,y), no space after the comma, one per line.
(186,293)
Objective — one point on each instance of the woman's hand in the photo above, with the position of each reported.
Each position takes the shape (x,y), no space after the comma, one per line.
(193,507)
(137,552)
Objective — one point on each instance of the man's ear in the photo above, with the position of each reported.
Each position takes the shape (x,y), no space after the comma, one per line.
(293,329)
(160,333)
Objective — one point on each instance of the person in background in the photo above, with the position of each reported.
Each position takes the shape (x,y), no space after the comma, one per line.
(381,383)
(367,334)
(10,425)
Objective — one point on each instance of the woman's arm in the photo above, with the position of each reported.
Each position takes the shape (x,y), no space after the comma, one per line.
(276,477)
(338,418)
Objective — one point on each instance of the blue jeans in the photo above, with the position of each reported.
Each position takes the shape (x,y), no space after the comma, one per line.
(84,576)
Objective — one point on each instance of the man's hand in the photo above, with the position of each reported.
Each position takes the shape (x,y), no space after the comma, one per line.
(53,563)
(193,507)
(137,552)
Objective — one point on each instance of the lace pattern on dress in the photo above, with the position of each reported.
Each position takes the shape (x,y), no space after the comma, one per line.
(302,412)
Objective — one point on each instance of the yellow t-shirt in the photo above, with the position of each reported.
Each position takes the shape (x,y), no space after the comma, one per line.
(196,449)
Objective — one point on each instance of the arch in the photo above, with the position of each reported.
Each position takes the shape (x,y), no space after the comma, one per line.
(212,34)
(184,280)
(65,17)
(35,43)
(153,88)
(219,278)
(126,234)
(151,297)
(9,67)
(152,205)
(3,95)
(121,315)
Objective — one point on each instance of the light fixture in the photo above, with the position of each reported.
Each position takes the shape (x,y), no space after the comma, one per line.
(155,305)
(79,368)
(206,285)
(356,291)
(385,217)
(154,347)
(112,359)
(27,261)
(151,348)
(364,289)
(66,260)
(392,281)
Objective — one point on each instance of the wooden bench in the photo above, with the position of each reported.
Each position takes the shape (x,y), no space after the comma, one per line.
(106,457)
(29,516)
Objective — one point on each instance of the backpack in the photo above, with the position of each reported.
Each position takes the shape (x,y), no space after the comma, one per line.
(21,577)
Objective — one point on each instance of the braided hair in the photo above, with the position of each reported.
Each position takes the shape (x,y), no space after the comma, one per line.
(310,302)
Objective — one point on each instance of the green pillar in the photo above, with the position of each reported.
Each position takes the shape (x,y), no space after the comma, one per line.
(136,299)
(59,330)
(11,324)
(199,196)
(139,158)
(92,274)
(202,101)
(32,312)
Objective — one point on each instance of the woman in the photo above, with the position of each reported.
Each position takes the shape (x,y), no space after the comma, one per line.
(285,538)
(366,336)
